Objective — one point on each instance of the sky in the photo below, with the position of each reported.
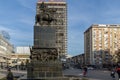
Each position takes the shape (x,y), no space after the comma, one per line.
(17,17)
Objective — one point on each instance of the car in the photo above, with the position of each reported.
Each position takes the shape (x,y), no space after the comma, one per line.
(90,68)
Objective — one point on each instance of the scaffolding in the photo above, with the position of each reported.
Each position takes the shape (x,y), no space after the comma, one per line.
(59,23)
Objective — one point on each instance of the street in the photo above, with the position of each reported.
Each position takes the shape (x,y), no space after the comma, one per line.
(92,74)
(16,73)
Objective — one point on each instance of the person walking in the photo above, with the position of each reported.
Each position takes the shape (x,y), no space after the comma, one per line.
(85,71)
(118,72)
(10,75)
(112,74)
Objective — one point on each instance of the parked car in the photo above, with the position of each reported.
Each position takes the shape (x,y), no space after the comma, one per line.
(90,68)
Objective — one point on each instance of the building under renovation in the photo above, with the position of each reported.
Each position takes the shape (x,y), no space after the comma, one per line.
(50,29)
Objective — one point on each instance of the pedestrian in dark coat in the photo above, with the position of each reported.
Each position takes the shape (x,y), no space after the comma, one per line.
(85,71)
(118,70)
(10,75)
(112,74)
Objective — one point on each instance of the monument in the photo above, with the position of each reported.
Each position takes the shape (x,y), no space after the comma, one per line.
(49,41)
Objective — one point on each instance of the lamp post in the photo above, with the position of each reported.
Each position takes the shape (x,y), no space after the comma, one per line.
(17,64)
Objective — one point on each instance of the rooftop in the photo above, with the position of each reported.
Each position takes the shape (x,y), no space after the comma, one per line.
(51,0)
(103,26)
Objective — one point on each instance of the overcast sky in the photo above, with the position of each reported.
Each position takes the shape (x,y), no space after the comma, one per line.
(18,17)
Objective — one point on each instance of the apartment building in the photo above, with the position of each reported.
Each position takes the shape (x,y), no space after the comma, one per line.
(78,59)
(18,59)
(100,43)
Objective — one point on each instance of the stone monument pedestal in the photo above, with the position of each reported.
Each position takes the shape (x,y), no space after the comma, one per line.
(44,69)
(51,70)
(44,65)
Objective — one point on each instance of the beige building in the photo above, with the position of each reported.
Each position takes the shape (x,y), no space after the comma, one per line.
(21,55)
(78,59)
(18,59)
(50,30)
(100,43)
(6,49)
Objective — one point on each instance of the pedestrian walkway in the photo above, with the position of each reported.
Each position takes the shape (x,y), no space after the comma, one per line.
(2,75)
(16,73)
(91,75)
